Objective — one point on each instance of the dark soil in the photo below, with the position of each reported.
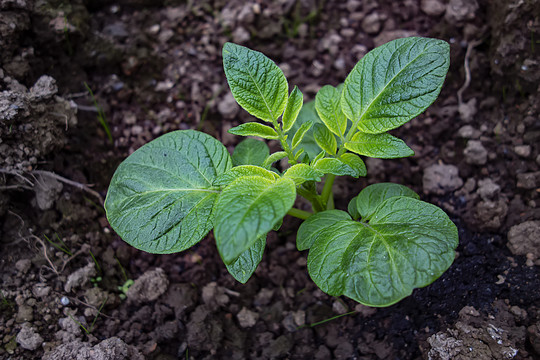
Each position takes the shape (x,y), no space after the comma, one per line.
(155,67)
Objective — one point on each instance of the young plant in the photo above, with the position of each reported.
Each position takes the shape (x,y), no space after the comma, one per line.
(170,193)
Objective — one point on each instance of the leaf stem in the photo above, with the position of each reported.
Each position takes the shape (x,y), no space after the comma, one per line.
(297,213)
(283,140)
(327,189)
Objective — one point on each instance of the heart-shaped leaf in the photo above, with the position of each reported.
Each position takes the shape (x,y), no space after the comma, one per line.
(315,224)
(394,83)
(372,196)
(161,197)
(407,244)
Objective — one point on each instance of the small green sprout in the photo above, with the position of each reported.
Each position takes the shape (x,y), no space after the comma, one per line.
(167,195)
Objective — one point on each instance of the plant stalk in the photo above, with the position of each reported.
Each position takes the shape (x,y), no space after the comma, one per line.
(300,214)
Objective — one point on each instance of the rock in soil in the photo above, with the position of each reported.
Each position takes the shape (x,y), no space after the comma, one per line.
(247,318)
(28,338)
(150,286)
(441,179)
(497,338)
(109,349)
(525,238)
(80,277)
(475,153)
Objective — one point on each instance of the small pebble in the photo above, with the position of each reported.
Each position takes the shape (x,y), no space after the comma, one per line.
(64,300)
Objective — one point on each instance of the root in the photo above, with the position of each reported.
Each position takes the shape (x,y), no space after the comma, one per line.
(467,82)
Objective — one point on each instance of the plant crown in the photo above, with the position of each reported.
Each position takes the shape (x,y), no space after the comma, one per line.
(167,195)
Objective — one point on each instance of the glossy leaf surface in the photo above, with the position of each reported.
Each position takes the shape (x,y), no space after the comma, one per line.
(248,208)
(315,224)
(256,82)
(394,83)
(250,152)
(254,129)
(381,146)
(161,197)
(327,104)
(407,244)
(372,196)
(245,265)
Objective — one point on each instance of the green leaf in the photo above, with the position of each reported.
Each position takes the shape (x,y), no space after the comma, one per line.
(355,163)
(250,152)
(372,196)
(310,229)
(407,245)
(273,158)
(336,167)
(327,103)
(382,146)
(307,114)
(243,170)
(394,83)
(325,139)
(161,197)
(278,225)
(299,135)
(256,82)
(247,209)
(294,105)
(301,173)
(352,208)
(245,265)
(254,129)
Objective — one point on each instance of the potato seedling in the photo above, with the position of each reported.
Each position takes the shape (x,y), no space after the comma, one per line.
(167,195)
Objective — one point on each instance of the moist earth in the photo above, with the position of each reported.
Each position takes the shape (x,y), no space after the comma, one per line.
(85,83)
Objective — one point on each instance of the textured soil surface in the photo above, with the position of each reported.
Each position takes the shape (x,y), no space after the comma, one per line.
(154,67)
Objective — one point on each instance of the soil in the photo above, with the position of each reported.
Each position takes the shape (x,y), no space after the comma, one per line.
(155,67)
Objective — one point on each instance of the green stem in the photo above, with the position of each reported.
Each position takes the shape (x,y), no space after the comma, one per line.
(327,189)
(297,213)
(312,197)
(284,143)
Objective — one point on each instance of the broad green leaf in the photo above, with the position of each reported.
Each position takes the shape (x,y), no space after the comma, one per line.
(245,265)
(408,244)
(161,197)
(352,208)
(355,163)
(382,146)
(247,209)
(256,82)
(243,170)
(294,105)
(327,103)
(254,129)
(273,158)
(394,83)
(310,229)
(325,139)
(336,167)
(250,152)
(301,173)
(300,133)
(372,196)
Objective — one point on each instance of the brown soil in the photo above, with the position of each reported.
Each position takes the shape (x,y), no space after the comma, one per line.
(154,67)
